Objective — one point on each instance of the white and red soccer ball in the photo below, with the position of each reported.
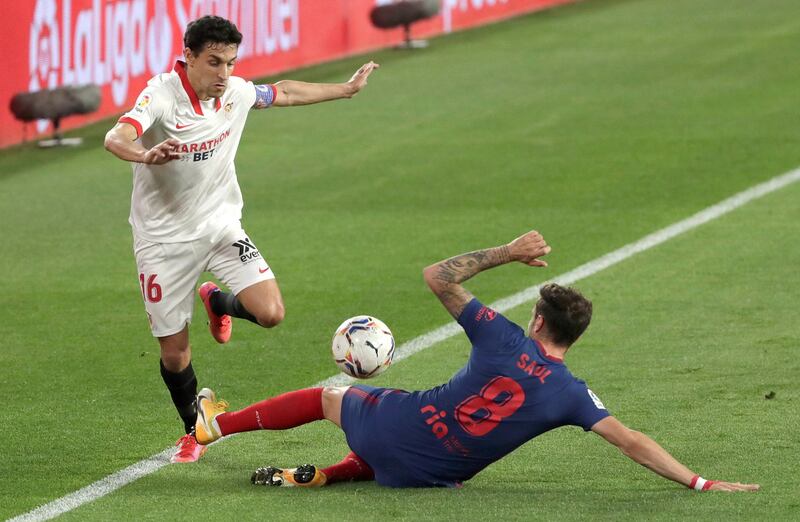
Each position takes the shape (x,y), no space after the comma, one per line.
(363,347)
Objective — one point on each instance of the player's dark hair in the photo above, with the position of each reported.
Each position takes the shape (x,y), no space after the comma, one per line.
(210,30)
(565,312)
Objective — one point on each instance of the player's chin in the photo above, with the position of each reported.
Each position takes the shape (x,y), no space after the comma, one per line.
(218,89)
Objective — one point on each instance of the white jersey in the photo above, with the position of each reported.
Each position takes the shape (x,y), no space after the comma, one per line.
(198,195)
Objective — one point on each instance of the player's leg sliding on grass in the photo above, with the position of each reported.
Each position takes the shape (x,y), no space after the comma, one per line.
(352,468)
(280,413)
(515,387)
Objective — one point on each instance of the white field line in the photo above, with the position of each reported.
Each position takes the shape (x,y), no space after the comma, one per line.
(150,465)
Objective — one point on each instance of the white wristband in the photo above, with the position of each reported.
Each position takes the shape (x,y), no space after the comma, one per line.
(698,483)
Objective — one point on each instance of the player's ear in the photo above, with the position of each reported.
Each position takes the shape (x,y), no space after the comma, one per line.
(538,323)
(188,55)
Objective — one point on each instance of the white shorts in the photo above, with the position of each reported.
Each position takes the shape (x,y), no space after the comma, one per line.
(168,273)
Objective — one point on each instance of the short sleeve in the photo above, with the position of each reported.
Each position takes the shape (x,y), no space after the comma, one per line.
(588,408)
(147,111)
(485,327)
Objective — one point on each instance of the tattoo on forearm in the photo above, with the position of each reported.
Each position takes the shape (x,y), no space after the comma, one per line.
(454,299)
(454,271)
(460,268)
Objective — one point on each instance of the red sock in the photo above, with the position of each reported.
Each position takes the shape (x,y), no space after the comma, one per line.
(352,467)
(278,413)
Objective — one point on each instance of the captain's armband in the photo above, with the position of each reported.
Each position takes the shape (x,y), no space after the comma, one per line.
(265,96)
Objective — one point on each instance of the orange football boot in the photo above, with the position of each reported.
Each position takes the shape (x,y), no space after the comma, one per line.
(305,476)
(220,326)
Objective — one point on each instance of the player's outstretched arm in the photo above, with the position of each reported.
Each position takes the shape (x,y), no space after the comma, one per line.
(291,92)
(445,277)
(121,142)
(647,452)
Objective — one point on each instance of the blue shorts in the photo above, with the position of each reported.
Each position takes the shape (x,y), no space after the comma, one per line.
(373,421)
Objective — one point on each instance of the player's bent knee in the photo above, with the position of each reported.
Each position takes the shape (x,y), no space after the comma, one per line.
(271,315)
(333,393)
(332,403)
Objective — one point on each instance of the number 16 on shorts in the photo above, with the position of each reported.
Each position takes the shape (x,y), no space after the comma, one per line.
(151,290)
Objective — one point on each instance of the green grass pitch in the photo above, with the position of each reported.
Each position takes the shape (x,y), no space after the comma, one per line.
(595,123)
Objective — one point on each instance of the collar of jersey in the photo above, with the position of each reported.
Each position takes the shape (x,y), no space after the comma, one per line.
(544,354)
(180,68)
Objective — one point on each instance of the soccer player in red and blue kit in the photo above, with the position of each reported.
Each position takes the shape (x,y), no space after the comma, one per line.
(514,387)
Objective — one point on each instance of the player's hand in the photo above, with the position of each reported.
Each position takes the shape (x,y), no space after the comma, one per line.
(162,153)
(528,248)
(733,486)
(359,79)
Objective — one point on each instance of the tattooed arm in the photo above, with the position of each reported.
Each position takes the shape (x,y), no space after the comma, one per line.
(445,277)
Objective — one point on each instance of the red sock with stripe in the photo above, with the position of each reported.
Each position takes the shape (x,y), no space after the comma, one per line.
(278,413)
(352,467)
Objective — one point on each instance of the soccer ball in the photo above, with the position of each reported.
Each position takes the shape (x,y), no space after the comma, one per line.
(363,347)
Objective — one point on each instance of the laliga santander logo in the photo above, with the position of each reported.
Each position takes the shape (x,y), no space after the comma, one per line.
(109,42)
(106,43)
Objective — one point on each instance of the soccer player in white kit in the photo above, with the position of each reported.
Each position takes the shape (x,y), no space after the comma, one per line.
(181,136)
